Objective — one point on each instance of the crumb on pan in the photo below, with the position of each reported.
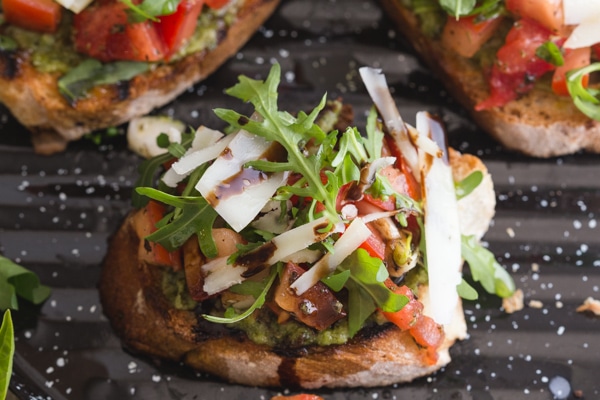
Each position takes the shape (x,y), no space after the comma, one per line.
(590,304)
(513,303)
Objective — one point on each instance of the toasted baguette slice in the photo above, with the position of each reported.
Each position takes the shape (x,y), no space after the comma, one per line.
(539,124)
(133,300)
(33,98)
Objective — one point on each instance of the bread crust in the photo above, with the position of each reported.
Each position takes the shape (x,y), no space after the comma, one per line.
(140,314)
(33,97)
(538,124)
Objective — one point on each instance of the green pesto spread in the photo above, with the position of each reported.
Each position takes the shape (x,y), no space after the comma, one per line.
(175,290)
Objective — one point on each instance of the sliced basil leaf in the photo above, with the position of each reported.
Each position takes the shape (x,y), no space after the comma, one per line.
(89,73)
(7,351)
(150,9)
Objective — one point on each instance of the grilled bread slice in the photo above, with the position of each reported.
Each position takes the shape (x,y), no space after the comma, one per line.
(134,301)
(538,124)
(33,97)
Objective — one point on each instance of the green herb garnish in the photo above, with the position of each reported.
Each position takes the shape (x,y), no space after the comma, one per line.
(7,351)
(468,184)
(17,280)
(587,100)
(75,84)
(550,53)
(150,9)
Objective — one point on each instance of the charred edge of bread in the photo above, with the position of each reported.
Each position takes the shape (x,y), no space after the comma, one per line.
(538,124)
(132,299)
(33,97)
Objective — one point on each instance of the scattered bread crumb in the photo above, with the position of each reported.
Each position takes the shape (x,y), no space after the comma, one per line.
(535,267)
(510,232)
(535,304)
(590,304)
(513,303)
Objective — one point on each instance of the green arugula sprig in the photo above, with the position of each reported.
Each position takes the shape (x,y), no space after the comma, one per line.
(587,100)
(485,269)
(17,280)
(468,184)
(7,351)
(293,133)
(465,8)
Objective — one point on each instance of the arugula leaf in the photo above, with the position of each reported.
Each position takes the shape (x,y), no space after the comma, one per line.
(90,72)
(468,184)
(336,282)
(373,142)
(150,9)
(586,100)
(231,317)
(485,269)
(7,351)
(196,217)
(366,289)
(466,291)
(17,280)
(293,133)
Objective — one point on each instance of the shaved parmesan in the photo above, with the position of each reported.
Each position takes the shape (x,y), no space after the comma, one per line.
(74,5)
(380,94)
(442,229)
(239,205)
(585,34)
(352,238)
(577,11)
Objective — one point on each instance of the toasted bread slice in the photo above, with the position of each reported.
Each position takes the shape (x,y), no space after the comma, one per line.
(134,302)
(538,124)
(33,97)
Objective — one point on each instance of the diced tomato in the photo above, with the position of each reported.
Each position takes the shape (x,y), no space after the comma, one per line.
(549,13)
(466,35)
(429,334)
(413,189)
(596,50)
(176,28)
(517,65)
(155,212)
(407,317)
(35,15)
(102,31)
(574,59)
(216,4)
(388,204)
(374,245)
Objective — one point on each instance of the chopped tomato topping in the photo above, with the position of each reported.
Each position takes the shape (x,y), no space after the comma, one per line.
(549,13)
(408,316)
(102,31)
(466,35)
(412,187)
(155,212)
(517,65)
(35,15)
(175,29)
(374,245)
(574,59)
(429,334)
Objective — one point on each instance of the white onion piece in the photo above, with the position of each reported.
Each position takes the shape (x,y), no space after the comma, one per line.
(352,238)
(378,89)
(442,231)
(74,5)
(143,131)
(586,34)
(286,244)
(577,11)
